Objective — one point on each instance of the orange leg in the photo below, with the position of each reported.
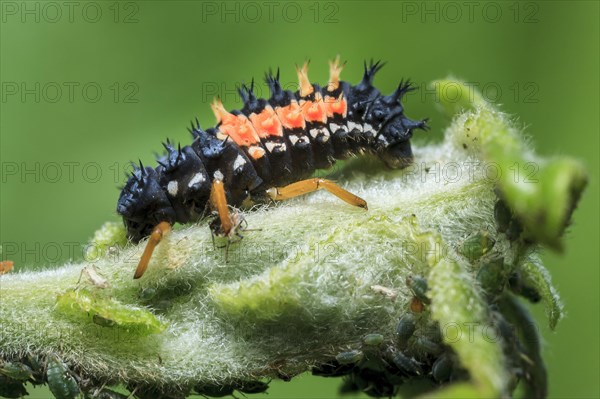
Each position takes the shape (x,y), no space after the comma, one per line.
(308,186)
(157,234)
(219,202)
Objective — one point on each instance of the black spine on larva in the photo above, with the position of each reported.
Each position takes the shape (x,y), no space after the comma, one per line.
(178,190)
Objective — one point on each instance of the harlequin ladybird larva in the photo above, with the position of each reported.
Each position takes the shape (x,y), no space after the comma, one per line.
(266,152)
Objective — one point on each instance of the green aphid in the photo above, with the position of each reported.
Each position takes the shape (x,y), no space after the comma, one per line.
(426,345)
(491,276)
(147,294)
(350,357)
(373,339)
(105,311)
(60,380)
(476,245)
(10,388)
(16,371)
(418,285)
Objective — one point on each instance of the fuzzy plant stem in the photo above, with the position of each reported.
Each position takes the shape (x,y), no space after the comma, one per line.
(418,293)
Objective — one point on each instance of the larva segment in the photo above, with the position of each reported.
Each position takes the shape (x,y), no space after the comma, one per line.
(336,106)
(266,123)
(238,127)
(314,111)
(271,132)
(291,116)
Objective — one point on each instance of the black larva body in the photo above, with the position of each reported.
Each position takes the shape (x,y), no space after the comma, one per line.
(177,191)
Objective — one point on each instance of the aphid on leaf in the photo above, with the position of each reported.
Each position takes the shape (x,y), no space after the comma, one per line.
(418,286)
(442,368)
(10,388)
(405,329)
(266,152)
(61,382)
(350,357)
(16,371)
(373,339)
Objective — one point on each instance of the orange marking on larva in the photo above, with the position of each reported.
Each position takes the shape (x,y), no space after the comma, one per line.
(267,123)
(315,111)
(256,152)
(337,106)
(6,266)
(238,127)
(291,116)
(304,85)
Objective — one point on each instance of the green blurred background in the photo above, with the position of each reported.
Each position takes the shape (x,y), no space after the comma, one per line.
(86,87)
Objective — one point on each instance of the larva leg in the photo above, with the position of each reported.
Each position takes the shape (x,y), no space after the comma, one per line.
(308,186)
(158,233)
(219,202)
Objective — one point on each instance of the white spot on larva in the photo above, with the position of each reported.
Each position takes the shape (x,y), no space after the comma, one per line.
(293,139)
(270,145)
(283,147)
(354,126)
(173,187)
(314,132)
(218,175)
(369,129)
(324,131)
(197,178)
(239,162)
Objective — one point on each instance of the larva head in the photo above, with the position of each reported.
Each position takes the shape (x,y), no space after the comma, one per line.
(386,116)
(143,203)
